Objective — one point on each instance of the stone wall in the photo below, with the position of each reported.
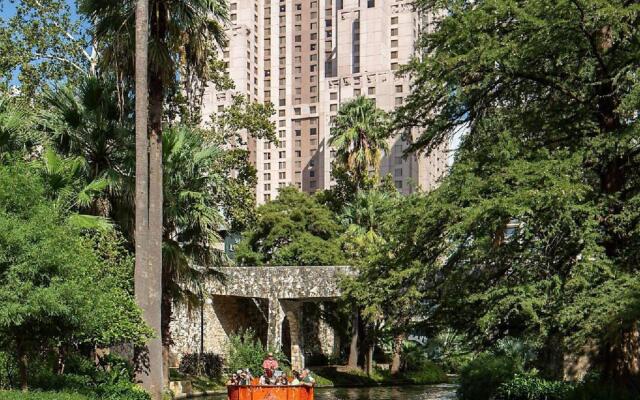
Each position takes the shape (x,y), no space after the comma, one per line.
(269,300)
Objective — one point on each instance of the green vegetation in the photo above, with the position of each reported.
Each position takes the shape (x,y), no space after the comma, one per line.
(427,374)
(294,229)
(12,395)
(245,350)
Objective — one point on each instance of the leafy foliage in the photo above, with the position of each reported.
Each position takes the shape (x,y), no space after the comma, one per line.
(245,350)
(54,288)
(294,229)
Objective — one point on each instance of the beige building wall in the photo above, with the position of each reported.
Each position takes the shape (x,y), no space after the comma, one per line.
(307,57)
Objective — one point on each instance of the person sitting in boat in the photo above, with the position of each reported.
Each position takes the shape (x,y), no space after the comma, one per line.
(296,378)
(306,379)
(233,380)
(248,376)
(245,377)
(270,364)
(266,380)
(282,380)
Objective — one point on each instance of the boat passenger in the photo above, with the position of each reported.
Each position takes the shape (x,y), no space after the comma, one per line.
(265,380)
(270,364)
(233,380)
(244,378)
(282,381)
(296,378)
(306,379)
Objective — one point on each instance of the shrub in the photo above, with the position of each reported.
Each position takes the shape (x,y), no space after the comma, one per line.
(523,387)
(205,364)
(429,373)
(481,377)
(16,395)
(246,351)
(8,371)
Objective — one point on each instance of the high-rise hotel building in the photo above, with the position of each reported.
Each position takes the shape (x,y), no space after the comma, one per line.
(307,57)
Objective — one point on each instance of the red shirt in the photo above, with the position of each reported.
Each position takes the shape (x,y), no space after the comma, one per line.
(270,364)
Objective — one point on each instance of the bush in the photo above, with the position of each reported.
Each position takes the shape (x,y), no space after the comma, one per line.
(481,377)
(523,387)
(16,395)
(429,373)
(8,371)
(205,364)
(246,351)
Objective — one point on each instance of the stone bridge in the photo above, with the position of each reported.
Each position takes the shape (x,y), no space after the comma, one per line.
(269,300)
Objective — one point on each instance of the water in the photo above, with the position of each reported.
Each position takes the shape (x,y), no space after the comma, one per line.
(431,392)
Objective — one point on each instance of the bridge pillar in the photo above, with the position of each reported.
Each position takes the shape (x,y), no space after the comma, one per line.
(293,311)
(274,329)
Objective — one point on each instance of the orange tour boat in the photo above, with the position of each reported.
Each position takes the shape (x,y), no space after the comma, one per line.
(265,392)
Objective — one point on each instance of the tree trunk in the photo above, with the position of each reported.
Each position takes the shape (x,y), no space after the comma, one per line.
(147,272)
(167,313)
(353,348)
(22,364)
(396,361)
(368,363)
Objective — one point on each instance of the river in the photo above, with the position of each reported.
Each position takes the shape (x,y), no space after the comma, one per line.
(430,392)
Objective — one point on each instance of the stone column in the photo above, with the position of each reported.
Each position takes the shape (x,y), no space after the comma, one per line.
(293,311)
(276,317)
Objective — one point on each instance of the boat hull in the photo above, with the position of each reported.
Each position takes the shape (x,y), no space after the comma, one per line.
(270,392)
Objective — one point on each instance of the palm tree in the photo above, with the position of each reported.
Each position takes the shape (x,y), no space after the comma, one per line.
(359,136)
(192,219)
(184,38)
(147,276)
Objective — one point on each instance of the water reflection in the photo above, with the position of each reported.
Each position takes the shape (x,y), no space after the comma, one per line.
(433,392)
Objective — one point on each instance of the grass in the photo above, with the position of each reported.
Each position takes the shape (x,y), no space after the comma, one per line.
(35,395)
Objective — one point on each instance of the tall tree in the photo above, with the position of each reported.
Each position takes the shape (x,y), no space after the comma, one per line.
(184,38)
(359,136)
(148,271)
(542,204)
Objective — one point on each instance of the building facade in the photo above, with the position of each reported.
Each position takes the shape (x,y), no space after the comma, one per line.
(307,57)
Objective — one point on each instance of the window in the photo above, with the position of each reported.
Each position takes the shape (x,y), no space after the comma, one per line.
(313,131)
(282,165)
(312,174)
(267,145)
(394,66)
(394,43)
(394,54)
(298,153)
(356,92)
(398,184)
(282,175)
(333,107)
(267,176)
(233,7)
(267,156)
(394,20)
(282,154)
(298,7)
(267,197)
(313,185)
(282,184)
(398,101)
(398,88)
(398,160)
(394,32)
(297,111)
(267,186)
(282,122)
(398,172)
(281,113)
(371,3)
(333,96)
(298,132)
(371,90)
(312,109)
(283,134)
(298,38)
(298,143)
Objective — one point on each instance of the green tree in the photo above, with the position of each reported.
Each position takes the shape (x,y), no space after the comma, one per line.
(539,209)
(42,42)
(294,229)
(359,136)
(56,289)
